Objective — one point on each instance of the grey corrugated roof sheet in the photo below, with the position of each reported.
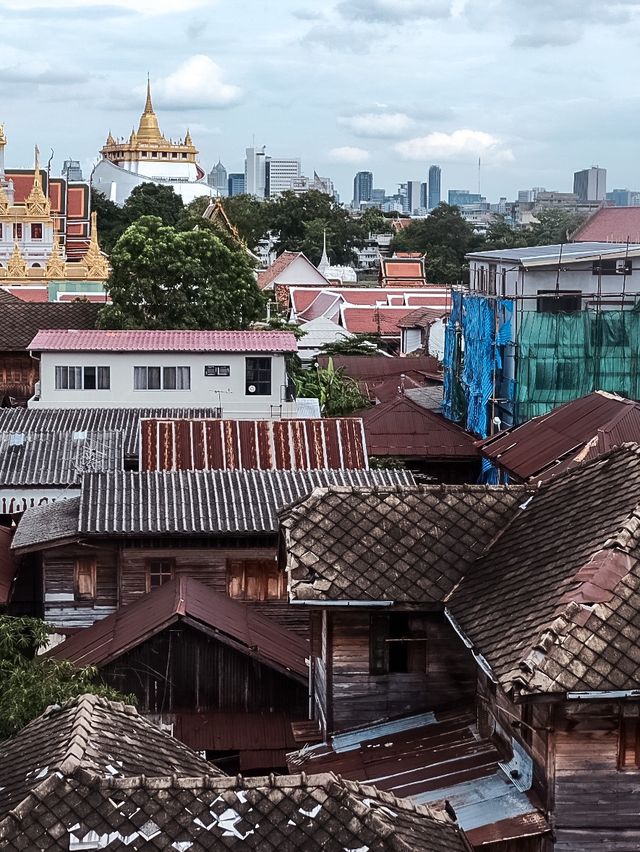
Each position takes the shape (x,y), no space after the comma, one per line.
(567,252)
(190,502)
(123,420)
(57,458)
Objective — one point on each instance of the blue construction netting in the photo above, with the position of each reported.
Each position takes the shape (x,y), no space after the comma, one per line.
(479,330)
(452,396)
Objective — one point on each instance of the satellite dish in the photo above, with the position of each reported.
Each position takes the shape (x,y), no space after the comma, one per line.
(251,388)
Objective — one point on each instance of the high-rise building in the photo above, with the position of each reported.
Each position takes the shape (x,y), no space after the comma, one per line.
(378,195)
(255,172)
(460,197)
(435,180)
(217,178)
(303,184)
(590,184)
(362,188)
(414,192)
(280,173)
(624,198)
(71,170)
(235,183)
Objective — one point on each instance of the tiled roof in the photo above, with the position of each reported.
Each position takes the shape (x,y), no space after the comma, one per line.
(21,321)
(92,420)
(220,502)
(7,298)
(361,319)
(57,458)
(434,758)
(391,544)
(199,814)
(553,605)
(421,318)
(427,397)
(29,293)
(321,444)
(261,637)
(311,302)
(269,275)
(573,433)
(104,739)
(75,340)
(50,522)
(610,225)
(403,428)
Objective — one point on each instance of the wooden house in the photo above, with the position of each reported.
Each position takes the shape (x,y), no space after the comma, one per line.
(223,678)
(129,533)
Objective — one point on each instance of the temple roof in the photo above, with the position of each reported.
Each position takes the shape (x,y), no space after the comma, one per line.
(148,129)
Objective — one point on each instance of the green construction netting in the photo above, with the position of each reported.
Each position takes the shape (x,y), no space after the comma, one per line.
(564,356)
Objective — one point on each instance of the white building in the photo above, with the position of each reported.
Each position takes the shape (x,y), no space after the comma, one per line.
(280,173)
(255,172)
(242,373)
(149,157)
(590,184)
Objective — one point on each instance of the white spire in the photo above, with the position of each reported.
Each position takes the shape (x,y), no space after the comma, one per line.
(324,260)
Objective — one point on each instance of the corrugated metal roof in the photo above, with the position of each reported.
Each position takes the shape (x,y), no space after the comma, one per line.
(533,256)
(123,420)
(378,368)
(129,626)
(570,434)
(401,427)
(7,566)
(75,340)
(243,731)
(429,759)
(336,444)
(57,458)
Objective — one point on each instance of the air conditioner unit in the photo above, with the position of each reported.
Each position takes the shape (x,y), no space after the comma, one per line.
(621,267)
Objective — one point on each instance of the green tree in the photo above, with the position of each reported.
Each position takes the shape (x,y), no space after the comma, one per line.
(111,219)
(445,237)
(357,344)
(165,278)
(501,235)
(553,226)
(373,221)
(249,216)
(31,683)
(152,199)
(338,394)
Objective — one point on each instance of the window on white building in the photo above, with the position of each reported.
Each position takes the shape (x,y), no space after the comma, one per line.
(17,230)
(258,376)
(83,378)
(36,231)
(165,378)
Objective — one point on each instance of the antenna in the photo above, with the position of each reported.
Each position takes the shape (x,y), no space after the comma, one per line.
(479,172)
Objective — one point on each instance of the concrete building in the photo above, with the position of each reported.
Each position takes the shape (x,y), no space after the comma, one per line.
(317,183)
(624,198)
(435,184)
(280,173)
(255,168)
(460,197)
(414,197)
(217,178)
(72,171)
(590,184)
(362,188)
(235,183)
(148,156)
(241,372)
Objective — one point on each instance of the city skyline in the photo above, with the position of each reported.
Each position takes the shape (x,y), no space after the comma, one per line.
(308,84)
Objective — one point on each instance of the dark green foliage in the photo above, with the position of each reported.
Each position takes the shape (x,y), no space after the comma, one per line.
(111,220)
(152,199)
(31,683)
(165,278)
(553,226)
(357,344)
(338,394)
(249,216)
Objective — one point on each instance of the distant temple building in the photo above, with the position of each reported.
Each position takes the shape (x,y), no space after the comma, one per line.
(149,157)
(46,231)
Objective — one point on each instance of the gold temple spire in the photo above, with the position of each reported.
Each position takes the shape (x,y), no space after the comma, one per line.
(37,204)
(148,129)
(56,266)
(17,266)
(3,136)
(95,262)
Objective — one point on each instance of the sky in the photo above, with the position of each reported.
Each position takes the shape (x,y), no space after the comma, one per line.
(535,90)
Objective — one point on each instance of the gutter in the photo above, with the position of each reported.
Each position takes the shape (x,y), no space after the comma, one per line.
(319,602)
(595,696)
(480,660)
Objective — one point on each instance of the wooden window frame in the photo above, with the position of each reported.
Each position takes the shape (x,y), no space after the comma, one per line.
(166,576)
(384,642)
(629,744)
(89,567)
(238,580)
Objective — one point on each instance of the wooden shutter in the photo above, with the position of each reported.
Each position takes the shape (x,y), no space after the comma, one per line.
(629,747)
(85,579)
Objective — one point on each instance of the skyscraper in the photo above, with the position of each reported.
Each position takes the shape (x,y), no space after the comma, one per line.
(413,196)
(362,188)
(435,176)
(255,172)
(217,178)
(590,184)
(280,173)
(236,183)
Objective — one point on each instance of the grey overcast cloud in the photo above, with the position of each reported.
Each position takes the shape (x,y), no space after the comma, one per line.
(536,90)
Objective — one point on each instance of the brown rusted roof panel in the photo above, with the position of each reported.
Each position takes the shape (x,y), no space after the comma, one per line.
(550,444)
(223,731)
(204,444)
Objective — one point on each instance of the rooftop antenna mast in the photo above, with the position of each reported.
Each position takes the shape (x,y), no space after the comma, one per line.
(479,173)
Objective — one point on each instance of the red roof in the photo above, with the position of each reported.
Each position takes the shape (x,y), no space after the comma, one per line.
(610,225)
(374,369)
(163,341)
(102,298)
(401,427)
(573,433)
(421,318)
(7,566)
(330,444)
(362,319)
(268,276)
(29,294)
(403,271)
(131,625)
(311,302)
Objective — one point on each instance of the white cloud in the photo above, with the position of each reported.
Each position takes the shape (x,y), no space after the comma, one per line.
(393,11)
(459,145)
(348,154)
(197,84)
(17,66)
(142,7)
(382,125)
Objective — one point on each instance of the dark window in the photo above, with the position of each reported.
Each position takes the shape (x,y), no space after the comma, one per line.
(258,376)
(606,266)
(629,743)
(146,378)
(84,579)
(398,643)
(552,302)
(255,580)
(17,230)
(36,231)
(176,378)
(159,571)
(77,378)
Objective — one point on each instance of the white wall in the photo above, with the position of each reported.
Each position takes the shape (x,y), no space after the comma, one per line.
(301,271)
(117,184)
(210,391)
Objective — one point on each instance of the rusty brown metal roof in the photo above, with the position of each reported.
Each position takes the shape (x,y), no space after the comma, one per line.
(111,637)
(202,444)
(221,731)
(430,759)
(576,432)
(403,428)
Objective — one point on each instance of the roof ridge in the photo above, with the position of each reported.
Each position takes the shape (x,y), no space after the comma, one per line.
(628,446)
